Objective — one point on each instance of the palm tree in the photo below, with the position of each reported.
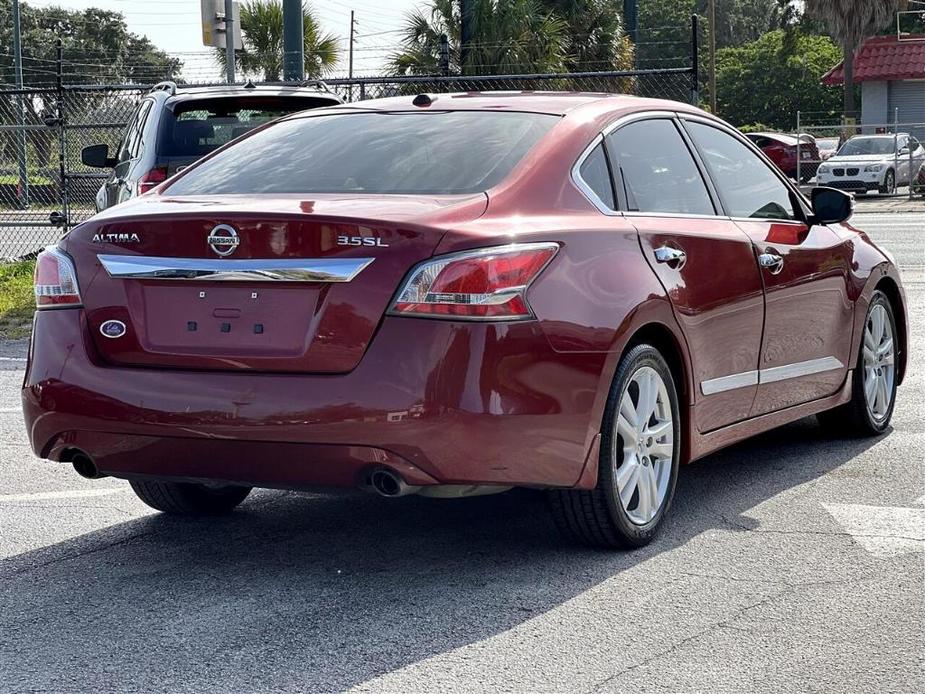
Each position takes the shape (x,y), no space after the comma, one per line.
(509,36)
(850,22)
(262,33)
(595,39)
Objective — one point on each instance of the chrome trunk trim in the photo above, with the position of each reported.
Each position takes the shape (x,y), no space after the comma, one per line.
(220,270)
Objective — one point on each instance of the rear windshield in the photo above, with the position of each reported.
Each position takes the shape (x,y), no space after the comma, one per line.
(194,128)
(430,152)
(867,145)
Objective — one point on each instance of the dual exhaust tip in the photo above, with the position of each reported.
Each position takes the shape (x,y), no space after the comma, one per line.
(387,483)
(85,467)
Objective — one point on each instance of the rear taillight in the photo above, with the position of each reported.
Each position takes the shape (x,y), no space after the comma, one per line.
(151,180)
(487,284)
(55,280)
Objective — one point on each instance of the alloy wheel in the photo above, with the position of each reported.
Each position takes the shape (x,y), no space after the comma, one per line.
(890,183)
(879,362)
(644,445)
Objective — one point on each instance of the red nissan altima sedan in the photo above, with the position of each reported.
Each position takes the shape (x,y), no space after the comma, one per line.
(455,295)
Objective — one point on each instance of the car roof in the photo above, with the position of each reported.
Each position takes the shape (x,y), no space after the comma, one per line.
(553,103)
(222,91)
(878,136)
(781,137)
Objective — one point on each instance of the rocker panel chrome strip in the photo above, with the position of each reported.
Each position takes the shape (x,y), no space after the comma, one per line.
(772,375)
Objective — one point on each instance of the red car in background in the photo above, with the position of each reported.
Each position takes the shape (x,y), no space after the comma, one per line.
(782,150)
(455,295)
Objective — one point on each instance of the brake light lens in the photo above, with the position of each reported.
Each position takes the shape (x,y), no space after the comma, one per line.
(487,284)
(151,180)
(55,280)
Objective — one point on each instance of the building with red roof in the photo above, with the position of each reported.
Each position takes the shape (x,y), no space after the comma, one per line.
(891,72)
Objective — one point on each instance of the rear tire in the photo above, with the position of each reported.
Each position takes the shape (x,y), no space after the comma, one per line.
(873,386)
(638,465)
(186,499)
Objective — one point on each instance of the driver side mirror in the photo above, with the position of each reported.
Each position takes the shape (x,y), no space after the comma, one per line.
(97,156)
(904,150)
(830,205)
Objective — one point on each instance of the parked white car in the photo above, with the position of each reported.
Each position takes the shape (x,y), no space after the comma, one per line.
(872,162)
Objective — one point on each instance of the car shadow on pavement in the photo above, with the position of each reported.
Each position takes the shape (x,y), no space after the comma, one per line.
(303,593)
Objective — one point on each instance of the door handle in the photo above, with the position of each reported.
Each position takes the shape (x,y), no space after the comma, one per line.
(673,257)
(771,262)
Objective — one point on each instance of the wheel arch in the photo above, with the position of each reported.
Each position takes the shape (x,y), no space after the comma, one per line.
(669,346)
(888,286)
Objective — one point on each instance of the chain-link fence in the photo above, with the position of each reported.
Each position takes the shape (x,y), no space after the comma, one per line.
(45,189)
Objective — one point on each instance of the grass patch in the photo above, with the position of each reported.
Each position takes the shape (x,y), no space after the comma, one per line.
(34,180)
(17,300)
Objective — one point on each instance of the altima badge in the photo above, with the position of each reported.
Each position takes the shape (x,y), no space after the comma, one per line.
(116,238)
(223,239)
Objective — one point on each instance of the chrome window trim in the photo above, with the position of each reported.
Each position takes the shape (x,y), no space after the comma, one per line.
(582,185)
(772,375)
(599,138)
(241,270)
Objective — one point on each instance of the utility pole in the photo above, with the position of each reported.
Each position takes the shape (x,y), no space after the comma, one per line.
(353,23)
(465,32)
(712,19)
(229,41)
(20,113)
(631,18)
(293,41)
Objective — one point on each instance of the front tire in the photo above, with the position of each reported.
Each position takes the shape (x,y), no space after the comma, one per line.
(889,183)
(187,499)
(638,466)
(873,387)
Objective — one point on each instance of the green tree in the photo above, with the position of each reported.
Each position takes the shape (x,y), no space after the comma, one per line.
(262,34)
(850,22)
(97,47)
(749,79)
(594,35)
(508,36)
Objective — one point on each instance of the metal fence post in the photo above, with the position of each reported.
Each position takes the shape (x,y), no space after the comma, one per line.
(62,145)
(798,148)
(695,62)
(21,152)
(895,152)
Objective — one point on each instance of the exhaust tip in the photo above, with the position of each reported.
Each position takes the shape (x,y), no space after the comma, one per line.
(387,483)
(85,467)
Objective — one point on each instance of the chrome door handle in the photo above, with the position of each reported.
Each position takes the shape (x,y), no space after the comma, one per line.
(771,262)
(673,257)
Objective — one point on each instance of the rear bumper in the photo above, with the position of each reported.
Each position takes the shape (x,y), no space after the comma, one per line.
(438,401)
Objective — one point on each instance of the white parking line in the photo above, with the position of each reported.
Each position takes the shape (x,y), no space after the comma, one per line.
(19,359)
(10,409)
(883,531)
(70,494)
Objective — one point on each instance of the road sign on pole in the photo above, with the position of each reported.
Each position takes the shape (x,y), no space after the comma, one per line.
(214,24)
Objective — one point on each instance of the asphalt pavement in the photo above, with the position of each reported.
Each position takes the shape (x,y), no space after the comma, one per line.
(792,562)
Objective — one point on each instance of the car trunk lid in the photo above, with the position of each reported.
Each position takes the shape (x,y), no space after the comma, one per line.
(281,284)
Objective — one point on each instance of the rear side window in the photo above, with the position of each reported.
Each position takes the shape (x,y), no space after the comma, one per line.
(196,127)
(595,174)
(430,152)
(659,174)
(747,186)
